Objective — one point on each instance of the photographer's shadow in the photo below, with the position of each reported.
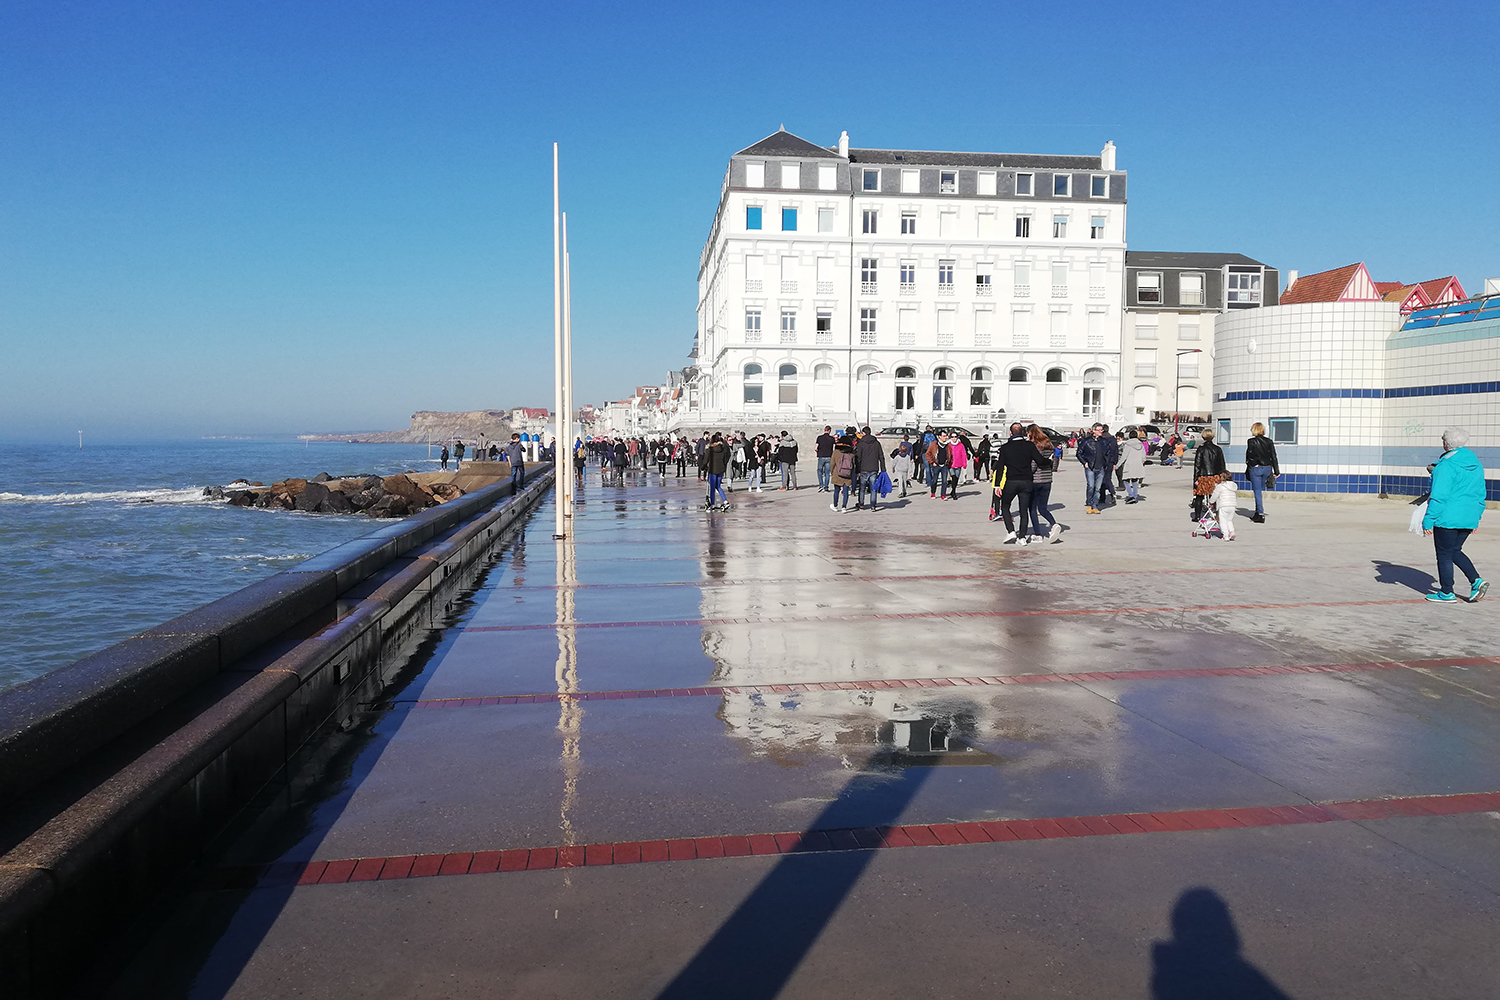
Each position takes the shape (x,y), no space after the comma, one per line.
(1203,960)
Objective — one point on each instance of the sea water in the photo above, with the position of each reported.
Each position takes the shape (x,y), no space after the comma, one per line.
(99,543)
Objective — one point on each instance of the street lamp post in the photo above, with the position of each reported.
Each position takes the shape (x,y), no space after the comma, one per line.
(870,377)
(1177,388)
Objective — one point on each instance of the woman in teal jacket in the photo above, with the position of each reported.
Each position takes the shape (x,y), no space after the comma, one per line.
(1453,511)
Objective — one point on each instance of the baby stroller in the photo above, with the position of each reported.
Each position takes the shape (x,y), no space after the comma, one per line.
(1205,516)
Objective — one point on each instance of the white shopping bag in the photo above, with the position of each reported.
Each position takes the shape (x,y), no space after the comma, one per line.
(1417,513)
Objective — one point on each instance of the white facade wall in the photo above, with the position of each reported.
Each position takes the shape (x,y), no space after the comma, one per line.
(1170,374)
(1019,321)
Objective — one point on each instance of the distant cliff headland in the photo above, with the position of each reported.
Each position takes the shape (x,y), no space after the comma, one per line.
(431,425)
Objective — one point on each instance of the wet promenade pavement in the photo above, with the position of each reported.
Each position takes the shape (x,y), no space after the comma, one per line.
(780,752)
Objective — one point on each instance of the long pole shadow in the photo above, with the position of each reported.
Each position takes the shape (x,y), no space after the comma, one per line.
(758,948)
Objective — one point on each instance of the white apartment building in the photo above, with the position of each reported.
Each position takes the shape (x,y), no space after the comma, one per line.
(904,286)
(1171,303)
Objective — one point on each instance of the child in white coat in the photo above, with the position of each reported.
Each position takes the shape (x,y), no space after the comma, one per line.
(1224,499)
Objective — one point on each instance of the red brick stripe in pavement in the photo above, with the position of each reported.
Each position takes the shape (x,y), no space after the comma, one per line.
(1011,575)
(931,615)
(930,682)
(822,841)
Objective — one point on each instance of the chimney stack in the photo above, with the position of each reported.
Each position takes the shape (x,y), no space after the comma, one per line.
(1291,279)
(844,144)
(1107,156)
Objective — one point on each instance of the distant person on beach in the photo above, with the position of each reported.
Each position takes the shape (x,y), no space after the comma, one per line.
(515,455)
(494,452)
(443,458)
(458,455)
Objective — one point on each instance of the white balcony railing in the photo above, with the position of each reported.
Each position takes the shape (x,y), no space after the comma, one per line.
(824,336)
(945,289)
(825,288)
(869,288)
(1145,371)
(908,288)
(788,288)
(1059,291)
(1022,291)
(752,336)
(983,289)
(788,336)
(753,285)
(1096,293)
(906,340)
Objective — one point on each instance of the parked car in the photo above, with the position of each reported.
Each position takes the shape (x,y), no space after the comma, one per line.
(900,430)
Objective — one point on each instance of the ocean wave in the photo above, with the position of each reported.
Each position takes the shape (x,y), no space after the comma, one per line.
(263,557)
(186,496)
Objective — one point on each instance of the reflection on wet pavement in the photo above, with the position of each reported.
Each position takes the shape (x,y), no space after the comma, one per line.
(672,685)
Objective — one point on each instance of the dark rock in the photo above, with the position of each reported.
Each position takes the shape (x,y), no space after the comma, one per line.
(322,477)
(443,492)
(257,483)
(310,496)
(365,499)
(214,492)
(245,481)
(389,506)
(265,500)
(335,503)
(415,496)
(243,498)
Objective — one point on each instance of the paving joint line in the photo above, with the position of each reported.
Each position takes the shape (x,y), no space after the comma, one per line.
(958,682)
(372,869)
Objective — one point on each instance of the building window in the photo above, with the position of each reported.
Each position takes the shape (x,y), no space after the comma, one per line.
(871,219)
(945,321)
(1097,271)
(945,276)
(1187,365)
(786,384)
(1023,227)
(983,277)
(906,328)
(1059,279)
(1145,331)
(791,175)
(1190,291)
(908,223)
(754,272)
(942,389)
(752,384)
(823,373)
(1145,362)
(828,178)
(906,388)
(1096,227)
(1059,227)
(1283,430)
(870,180)
(788,326)
(824,275)
(1244,288)
(1099,186)
(752,217)
(986,182)
(825,220)
(984,322)
(867,320)
(1062,185)
(752,326)
(947,225)
(1020,326)
(911,182)
(1024,185)
(824,326)
(788,220)
(979,387)
(1057,330)
(755,175)
(868,275)
(1187,331)
(1148,287)
(948,182)
(1056,375)
(789,267)
(908,277)
(1224,430)
(1022,287)
(1096,327)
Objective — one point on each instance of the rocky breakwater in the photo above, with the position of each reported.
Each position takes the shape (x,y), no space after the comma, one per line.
(372,496)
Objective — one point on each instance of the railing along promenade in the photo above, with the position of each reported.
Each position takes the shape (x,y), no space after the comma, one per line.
(117,770)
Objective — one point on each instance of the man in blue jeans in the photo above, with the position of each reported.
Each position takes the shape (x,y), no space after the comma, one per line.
(869,463)
(1098,454)
(515,455)
(825,460)
(1453,511)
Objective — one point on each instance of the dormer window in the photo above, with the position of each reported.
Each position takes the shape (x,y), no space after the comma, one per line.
(948,182)
(870,180)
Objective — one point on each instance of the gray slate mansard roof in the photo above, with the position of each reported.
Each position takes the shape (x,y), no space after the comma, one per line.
(784,143)
(1168,258)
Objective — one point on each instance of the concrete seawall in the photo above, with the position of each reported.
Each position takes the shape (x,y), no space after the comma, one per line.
(117,769)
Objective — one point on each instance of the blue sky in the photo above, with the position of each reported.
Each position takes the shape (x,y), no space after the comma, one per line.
(281,217)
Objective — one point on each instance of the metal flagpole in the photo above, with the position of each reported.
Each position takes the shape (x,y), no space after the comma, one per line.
(566,416)
(557,329)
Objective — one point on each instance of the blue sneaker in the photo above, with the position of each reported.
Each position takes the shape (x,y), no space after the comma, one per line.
(1481,586)
(1442,598)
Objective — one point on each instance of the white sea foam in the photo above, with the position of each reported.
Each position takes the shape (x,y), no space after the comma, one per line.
(263,557)
(187,496)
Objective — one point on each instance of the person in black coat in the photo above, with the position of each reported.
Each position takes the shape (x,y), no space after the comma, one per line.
(1261,467)
(1208,467)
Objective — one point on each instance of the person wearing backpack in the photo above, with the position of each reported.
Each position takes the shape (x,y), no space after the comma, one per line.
(842,470)
(869,463)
